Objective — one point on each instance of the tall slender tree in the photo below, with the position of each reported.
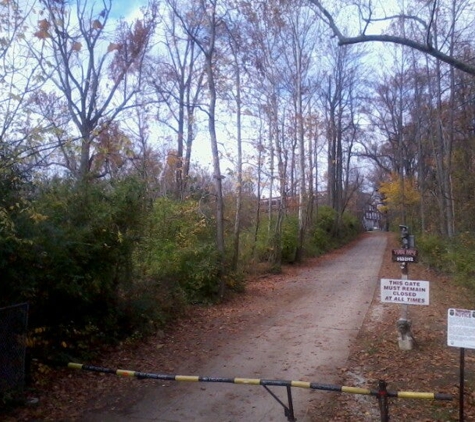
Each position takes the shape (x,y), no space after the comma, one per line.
(176,75)
(340,97)
(205,33)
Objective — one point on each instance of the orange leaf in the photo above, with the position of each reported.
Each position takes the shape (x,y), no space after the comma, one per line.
(112,47)
(76,46)
(96,24)
(44,25)
(41,34)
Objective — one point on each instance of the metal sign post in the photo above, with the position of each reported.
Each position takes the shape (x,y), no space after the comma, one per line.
(462,384)
(461,333)
(406,339)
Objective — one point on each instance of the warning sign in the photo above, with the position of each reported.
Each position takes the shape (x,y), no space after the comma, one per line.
(461,328)
(407,292)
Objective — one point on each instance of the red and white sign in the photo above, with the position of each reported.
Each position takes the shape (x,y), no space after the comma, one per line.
(404,255)
(406,292)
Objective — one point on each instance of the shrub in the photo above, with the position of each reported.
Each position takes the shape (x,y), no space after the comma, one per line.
(351,227)
(326,236)
(455,256)
(322,235)
(326,218)
(179,251)
(461,256)
(433,250)
(289,238)
(75,256)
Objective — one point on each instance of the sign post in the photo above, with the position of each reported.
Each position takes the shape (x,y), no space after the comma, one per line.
(405,292)
(461,333)
(404,256)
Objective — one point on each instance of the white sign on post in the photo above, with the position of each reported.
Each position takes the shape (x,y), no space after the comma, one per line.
(406,292)
(461,328)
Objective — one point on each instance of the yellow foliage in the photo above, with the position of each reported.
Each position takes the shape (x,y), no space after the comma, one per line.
(43,369)
(37,217)
(393,195)
(35,338)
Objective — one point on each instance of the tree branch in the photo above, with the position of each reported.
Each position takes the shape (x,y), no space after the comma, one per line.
(424,48)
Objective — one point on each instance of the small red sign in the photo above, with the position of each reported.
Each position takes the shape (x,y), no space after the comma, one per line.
(404,255)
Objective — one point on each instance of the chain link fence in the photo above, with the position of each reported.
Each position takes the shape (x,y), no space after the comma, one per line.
(13,332)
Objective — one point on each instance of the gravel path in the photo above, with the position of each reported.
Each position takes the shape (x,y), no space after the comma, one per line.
(302,332)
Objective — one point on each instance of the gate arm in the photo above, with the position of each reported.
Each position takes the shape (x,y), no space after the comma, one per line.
(418,395)
(255,381)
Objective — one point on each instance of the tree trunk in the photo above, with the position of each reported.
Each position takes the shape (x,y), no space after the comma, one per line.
(209,53)
(302,168)
(237,216)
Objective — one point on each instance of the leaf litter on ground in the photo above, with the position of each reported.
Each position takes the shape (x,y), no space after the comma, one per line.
(431,366)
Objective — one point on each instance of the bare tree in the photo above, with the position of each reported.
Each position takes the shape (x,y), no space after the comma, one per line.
(97,77)
(146,159)
(237,47)
(340,96)
(177,77)
(19,79)
(207,23)
(267,58)
(305,33)
(299,41)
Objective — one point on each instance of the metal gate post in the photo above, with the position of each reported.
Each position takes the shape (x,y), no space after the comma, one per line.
(290,416)
(288,411)
(383,401)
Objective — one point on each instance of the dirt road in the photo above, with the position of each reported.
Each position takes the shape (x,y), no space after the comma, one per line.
(301,330)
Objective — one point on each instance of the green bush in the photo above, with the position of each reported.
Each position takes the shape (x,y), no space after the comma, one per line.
(147,305)
(259,249)
(461,257)
(351,228)
(74,259)
(97,264)
(326,218)
(433,250)
(289,238)
(179,250)
(455,256)
(326,236)
(322,238)
(17,259)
